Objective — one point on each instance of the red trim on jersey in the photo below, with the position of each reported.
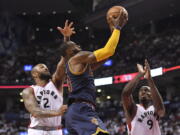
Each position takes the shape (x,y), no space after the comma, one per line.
(129,126)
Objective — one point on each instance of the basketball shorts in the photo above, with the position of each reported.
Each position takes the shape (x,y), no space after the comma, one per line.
(81,119)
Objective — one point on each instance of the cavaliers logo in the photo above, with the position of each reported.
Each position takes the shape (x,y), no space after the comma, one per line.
(94,121)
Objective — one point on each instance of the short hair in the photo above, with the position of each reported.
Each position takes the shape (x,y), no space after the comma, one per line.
(147,87)
(63,47)
(34,69)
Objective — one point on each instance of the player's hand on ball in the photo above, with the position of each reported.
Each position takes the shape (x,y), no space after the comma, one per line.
(123,18)
(117,16)
(120,21)
(63,109)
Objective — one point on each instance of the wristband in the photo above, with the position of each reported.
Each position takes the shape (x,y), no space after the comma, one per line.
(118,27)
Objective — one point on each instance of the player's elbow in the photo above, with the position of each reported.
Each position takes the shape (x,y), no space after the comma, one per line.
(110,51)
(104,53)
(35,114)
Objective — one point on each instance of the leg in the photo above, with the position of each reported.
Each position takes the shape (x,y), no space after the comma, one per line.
(81,119)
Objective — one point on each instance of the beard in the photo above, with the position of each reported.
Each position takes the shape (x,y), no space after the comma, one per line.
(45,76)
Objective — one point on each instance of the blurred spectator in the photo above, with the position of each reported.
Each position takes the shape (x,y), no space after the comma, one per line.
(160,49)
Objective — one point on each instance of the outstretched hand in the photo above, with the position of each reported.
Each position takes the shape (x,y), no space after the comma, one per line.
(68,29)
(142,70)
(148,72)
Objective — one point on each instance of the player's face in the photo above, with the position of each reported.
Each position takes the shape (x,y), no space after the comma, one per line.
(74,48)
(43,72)
(145,93)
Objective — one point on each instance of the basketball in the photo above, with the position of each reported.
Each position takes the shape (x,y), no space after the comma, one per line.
(114,12)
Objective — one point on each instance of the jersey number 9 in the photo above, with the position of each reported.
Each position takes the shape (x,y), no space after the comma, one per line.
(150,124)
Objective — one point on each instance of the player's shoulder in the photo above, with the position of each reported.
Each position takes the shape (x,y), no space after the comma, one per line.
(82,53)
(27,91)
(151,107)
(138,105)
(79,56)
(51,83)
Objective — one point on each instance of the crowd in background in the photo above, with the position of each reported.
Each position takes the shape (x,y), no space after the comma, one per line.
(100,4)
(161,49)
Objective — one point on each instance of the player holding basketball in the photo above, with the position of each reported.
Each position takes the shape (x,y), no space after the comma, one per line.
(142,119)
(81,117)
(44,100)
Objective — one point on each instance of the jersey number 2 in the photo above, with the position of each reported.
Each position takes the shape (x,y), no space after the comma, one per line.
(150,124)
(46,102)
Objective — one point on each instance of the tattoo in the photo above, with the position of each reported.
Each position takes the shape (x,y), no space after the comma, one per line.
(33,107)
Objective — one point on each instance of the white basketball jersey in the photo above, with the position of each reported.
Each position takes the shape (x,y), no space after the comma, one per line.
(145,122)
(48,97)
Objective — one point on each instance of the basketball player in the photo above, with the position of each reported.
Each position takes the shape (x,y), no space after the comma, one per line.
(81,117)
(142,119)
(44,100)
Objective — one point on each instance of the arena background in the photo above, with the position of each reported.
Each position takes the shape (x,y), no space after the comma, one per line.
(28,36)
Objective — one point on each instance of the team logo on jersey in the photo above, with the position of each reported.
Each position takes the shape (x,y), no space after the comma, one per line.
(45,92)
(94,121)
(145,115)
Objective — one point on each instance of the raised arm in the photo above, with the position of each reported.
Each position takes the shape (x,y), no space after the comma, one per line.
(59,75)
(110,47)
(156,97)
(67,31)
(129,105)
(33,107)
(100,54)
